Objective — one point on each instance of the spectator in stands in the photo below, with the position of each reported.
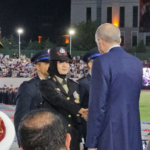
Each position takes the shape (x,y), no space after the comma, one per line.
(13,67)
(43,130)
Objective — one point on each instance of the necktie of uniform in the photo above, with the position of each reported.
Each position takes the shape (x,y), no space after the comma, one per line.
(64,85)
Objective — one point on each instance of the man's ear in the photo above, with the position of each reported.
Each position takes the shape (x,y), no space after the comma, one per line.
(21,148)
(68,140)
(36,66)
(120,41)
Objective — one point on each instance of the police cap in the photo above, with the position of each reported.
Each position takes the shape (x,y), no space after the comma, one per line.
(59,54)
(42,56)
(91,54)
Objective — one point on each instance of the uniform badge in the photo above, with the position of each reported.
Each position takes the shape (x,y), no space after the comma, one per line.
(58,89)
(76,96)
(48,51)
(62,51)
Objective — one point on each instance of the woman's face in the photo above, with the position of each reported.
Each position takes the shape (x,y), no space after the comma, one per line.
(63,67)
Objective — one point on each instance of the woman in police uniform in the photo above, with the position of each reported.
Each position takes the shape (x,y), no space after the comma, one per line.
(61,94)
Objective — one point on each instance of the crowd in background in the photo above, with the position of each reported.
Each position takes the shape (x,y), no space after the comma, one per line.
(15,67)
(146,63)
(8,95)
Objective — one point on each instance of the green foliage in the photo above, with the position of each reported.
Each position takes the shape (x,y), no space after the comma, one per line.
(10,43)
(141,48)
(84,37)
(49,44)
(131,50)
(35,45)
(144,106)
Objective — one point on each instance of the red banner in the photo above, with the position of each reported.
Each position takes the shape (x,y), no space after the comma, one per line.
(144,15)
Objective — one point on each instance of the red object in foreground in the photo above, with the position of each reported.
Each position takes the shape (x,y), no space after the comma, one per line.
(2,130)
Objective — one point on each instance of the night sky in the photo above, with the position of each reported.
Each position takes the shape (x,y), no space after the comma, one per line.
(38,17)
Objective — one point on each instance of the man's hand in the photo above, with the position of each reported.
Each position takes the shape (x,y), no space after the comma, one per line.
(83,111)
(92,148)
(85,117)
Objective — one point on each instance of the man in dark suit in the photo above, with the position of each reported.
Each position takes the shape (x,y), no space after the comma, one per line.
(114,119)
(29,96)
(84,84)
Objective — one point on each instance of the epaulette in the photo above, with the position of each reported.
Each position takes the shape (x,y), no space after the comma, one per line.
(73,80)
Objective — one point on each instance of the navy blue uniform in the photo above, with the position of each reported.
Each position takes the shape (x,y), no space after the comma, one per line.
(28,98)
(84,88)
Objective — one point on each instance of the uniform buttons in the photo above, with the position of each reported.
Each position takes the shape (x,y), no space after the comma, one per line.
(78,115)
(69,125)
(69,116)
(68,98)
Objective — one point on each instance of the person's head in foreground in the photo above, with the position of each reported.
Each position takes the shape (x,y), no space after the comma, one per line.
(43,130)
(106,36)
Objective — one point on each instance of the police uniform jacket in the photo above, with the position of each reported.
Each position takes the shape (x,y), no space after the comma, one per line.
(28,98)
(84,87)
(64,104)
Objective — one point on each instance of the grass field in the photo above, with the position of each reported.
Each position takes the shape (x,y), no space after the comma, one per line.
(145,106)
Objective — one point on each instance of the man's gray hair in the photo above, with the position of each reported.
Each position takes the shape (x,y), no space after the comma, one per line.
(109,33)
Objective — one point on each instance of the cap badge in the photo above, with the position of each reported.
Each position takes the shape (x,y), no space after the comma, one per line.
(62,51)
(48,51)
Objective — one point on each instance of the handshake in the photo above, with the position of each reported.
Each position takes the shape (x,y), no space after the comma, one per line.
(84,113)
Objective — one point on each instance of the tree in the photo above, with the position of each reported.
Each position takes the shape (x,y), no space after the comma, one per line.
(141,48)
(49,44)
(84,37)
(35,45)
(10,43)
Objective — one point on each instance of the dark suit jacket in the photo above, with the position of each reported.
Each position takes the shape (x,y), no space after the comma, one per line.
(64,104)
(114,119)
(28,98)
